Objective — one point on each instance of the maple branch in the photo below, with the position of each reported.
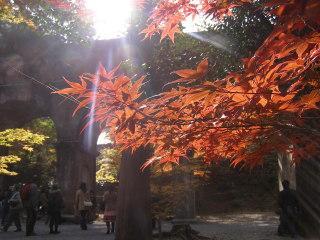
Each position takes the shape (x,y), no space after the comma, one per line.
(249,93)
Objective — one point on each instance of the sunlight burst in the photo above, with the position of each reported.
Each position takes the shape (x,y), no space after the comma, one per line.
(111,18)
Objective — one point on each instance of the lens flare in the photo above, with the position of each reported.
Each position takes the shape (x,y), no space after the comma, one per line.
(111,18)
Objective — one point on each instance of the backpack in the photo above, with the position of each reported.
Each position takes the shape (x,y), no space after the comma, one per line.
(25,191)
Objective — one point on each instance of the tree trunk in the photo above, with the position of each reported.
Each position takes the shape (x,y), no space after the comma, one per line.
(159,228)
(133,211)
(287,169)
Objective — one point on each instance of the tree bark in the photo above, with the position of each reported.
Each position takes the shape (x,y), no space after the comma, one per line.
(133,210)
(287,169)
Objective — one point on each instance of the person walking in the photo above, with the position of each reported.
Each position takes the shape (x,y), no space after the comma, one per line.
(30,199)
(288,204)
(82,204)
(15,207)
(92,210)
(55,205)
(110,201)
(5,206)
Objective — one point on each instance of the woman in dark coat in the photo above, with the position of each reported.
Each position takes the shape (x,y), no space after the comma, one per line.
(55,205)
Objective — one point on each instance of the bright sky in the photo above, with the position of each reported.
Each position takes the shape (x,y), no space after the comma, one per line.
(112,18)
(103,139)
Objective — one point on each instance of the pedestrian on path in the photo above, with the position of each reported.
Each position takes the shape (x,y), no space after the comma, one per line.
(82,205)
(288,204)
(110,201)
(55,205)
(15,208)
(30,199)
(92,210)
(5,206)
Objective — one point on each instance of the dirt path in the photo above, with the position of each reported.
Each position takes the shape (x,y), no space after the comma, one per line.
(246,226)
(250,226)
(96,231)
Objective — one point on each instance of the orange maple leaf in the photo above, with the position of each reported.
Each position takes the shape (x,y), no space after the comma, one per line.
(190,74)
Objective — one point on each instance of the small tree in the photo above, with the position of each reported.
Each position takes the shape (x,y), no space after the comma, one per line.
(108,165)
(16,140)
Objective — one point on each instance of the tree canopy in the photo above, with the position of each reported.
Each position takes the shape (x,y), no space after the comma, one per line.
(62,19)
(108,163)
(270,104)
(16,140)
(30,152)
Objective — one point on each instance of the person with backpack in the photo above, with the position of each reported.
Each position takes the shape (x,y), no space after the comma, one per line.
(55,205)
(15,207)
(30,199)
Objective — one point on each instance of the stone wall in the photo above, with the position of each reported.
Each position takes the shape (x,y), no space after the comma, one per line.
(30,69)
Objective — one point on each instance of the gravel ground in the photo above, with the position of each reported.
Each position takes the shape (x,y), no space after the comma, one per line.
(250,226)
(96,231)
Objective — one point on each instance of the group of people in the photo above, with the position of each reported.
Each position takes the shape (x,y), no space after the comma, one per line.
(26,197)
(49,202)
(83,204)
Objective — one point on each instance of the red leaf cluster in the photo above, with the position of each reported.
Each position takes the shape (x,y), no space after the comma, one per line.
(272,105)
(168,14)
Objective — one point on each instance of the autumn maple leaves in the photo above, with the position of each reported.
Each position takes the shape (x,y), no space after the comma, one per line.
(217,119)
(272,105)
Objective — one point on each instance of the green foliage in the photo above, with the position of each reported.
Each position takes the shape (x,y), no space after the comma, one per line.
(17,142)
(225,44)
(40,164)
(108,164)
(8,14)
(5,161)
(238,189)
(245,30)
(44,126)
(67,25)
(171,185)
(19,136)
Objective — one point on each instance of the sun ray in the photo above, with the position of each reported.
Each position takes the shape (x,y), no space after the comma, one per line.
(110,18)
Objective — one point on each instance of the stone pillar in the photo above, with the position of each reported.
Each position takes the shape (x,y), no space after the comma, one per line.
(74,166)
(186,209)
(76,151)
(185,212)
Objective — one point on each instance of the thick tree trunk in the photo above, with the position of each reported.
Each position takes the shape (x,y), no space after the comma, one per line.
(133,211)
